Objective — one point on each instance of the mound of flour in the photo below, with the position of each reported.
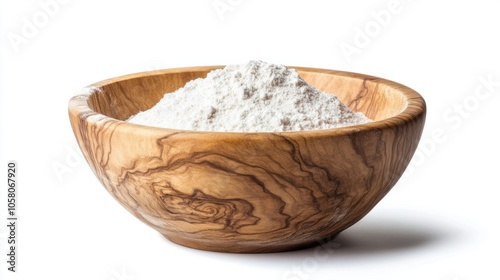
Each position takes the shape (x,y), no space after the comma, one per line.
(253,97)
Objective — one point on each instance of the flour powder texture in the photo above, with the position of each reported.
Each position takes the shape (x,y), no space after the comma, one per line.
(252,97)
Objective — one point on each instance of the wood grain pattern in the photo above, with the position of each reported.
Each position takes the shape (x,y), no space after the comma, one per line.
(247,192)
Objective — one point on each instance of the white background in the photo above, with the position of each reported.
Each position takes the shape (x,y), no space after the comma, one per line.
(439,222)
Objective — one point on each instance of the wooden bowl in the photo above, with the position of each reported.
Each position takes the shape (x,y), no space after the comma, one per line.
(247,192)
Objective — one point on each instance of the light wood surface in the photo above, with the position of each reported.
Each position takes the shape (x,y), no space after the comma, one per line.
(247,192)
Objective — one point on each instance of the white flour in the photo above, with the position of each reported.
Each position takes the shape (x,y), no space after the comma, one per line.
(253,97)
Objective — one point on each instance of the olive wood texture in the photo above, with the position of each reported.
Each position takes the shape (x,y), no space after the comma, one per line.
(247,192)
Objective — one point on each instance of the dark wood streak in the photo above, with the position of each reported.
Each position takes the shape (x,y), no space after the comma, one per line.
(358,97)
(247,192)
(200,208)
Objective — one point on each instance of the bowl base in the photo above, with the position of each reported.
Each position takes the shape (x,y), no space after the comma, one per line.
(253,248)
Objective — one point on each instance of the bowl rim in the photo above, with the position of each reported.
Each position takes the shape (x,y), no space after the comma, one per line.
(415,108)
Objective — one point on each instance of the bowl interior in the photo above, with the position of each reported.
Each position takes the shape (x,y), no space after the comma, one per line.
(126,96)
